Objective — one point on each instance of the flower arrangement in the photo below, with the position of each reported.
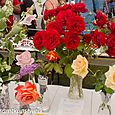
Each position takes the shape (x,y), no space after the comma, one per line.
(65,35)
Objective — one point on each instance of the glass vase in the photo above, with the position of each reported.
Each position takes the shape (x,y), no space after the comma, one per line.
(43,89)
(4,97)
(105,108)
(75,90)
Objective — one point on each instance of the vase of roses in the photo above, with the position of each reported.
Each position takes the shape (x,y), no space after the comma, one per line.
(80,66)
(105,84)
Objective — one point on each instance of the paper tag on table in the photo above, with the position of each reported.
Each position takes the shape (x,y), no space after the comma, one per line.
(70,107)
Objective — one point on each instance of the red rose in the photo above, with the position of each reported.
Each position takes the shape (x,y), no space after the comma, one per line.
(37,39)
(52,56)
(111,45)
(76,24)
(63,16)
(111,27)
(51,40)
(71,40)
(55,25)
(101,19)
(49,13)
(98,38)
(87,38)
(79,7)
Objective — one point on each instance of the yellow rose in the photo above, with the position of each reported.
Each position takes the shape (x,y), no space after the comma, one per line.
(110,77)
(80,66)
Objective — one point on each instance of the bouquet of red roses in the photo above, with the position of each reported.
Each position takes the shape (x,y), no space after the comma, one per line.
(65,36)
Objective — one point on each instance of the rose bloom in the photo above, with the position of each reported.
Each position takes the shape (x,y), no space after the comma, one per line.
(38,38)
(71,40)
(98,38)
(64,15)
(80,66)
(111,27)
(55,25)
(111,44)
(26,94)
(79,7)
(110,77)
(76,24)
(52,39)
(52,56)
(24,59)
(87,38)
(101,19)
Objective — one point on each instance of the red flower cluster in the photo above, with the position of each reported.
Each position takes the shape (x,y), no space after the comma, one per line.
(76,8)
(111,44)
(52,56)
(101,19)
(111,27)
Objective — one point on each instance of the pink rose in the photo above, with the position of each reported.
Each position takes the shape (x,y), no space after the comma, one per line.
(24,59)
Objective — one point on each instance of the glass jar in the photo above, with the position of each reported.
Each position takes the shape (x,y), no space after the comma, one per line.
(75,90)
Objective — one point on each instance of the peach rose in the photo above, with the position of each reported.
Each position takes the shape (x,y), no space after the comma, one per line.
(26,94)
(110,77)
(80,66)
(24,59)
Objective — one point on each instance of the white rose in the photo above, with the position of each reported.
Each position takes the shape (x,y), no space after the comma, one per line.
(80,66)
(110,77)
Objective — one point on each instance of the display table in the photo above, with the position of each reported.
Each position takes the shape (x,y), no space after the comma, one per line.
(61,105)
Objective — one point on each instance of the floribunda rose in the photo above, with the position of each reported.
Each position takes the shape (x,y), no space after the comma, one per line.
(101,19)
(51,40)
(49,13)
(98,38)
(64,15)
(26,94)
(110,42)
(55,25)
(76,24)
(71,40)
(111,27)
(38,38)
(24,59)
(79,7)
(87,38)
(80,66)
(52,56)
(110,77)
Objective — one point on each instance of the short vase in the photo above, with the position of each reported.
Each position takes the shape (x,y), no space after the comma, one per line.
(4,98)
(75,90)
(105,108)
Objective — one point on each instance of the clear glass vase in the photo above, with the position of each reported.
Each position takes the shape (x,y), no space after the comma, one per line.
(75,90)
(4,97)
(105,108)
(44,104)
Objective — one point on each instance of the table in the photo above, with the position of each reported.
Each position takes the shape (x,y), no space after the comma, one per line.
(57,95)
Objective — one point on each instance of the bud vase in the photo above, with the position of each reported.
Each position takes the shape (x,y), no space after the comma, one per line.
(44,104)
(105,108)
(75,90)
(4,97)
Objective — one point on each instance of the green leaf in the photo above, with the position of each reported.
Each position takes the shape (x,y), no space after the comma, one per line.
(49,67)
(80,47)
(2,13)
(2,24)
(58,68)
(37,72)
(98,86)
(108,90)
(68,70)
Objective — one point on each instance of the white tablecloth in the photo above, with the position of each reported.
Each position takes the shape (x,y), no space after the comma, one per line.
(59,102)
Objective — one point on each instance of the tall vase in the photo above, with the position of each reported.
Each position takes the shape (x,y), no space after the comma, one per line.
(75,90)
(105,108)
(4,97)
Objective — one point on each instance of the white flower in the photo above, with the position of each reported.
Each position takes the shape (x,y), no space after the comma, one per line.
(110,77)
(80,66)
